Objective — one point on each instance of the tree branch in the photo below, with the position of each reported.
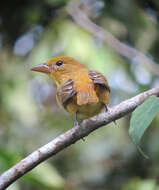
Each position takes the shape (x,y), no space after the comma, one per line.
(72,136)
(124,50)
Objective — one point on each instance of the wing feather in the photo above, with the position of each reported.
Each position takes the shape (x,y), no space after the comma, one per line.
(101,86)
(98,78)
(65,92)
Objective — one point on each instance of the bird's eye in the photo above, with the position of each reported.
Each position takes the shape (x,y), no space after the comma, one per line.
(59,62)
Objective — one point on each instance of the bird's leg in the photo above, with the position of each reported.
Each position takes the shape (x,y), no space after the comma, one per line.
(107,109)
(76,124)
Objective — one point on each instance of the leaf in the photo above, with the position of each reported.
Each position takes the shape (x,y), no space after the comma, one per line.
(141,119)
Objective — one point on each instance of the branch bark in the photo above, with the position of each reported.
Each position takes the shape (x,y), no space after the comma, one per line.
(124,50)
(72,136)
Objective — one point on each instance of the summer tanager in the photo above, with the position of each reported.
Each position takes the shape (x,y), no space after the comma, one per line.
(80,91)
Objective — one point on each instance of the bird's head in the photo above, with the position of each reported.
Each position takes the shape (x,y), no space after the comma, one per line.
(59,68)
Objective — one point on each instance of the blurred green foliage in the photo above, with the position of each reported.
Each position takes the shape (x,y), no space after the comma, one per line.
(32,32)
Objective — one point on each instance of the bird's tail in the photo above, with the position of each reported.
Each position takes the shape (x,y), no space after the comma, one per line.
(87,97)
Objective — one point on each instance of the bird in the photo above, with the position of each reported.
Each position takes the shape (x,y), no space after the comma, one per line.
(80,91)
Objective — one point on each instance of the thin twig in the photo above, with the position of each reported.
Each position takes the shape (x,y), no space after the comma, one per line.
(129,52)
(72,136)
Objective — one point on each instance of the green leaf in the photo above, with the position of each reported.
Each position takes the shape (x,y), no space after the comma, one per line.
(141,119)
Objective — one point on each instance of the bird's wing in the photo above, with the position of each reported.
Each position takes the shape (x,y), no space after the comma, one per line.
(101,86)
(65,92)
(99,79)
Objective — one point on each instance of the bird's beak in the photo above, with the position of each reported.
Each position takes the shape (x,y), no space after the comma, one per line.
(42,68)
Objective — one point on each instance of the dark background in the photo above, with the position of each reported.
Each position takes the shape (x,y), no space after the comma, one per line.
(32,32)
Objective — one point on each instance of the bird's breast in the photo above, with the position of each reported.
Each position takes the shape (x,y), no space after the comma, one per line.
(89,110)
(84,111)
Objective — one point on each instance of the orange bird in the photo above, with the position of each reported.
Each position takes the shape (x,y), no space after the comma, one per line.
(80,91)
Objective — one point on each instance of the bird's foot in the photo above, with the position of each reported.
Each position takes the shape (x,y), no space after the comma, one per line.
(107,109)
(76,124)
